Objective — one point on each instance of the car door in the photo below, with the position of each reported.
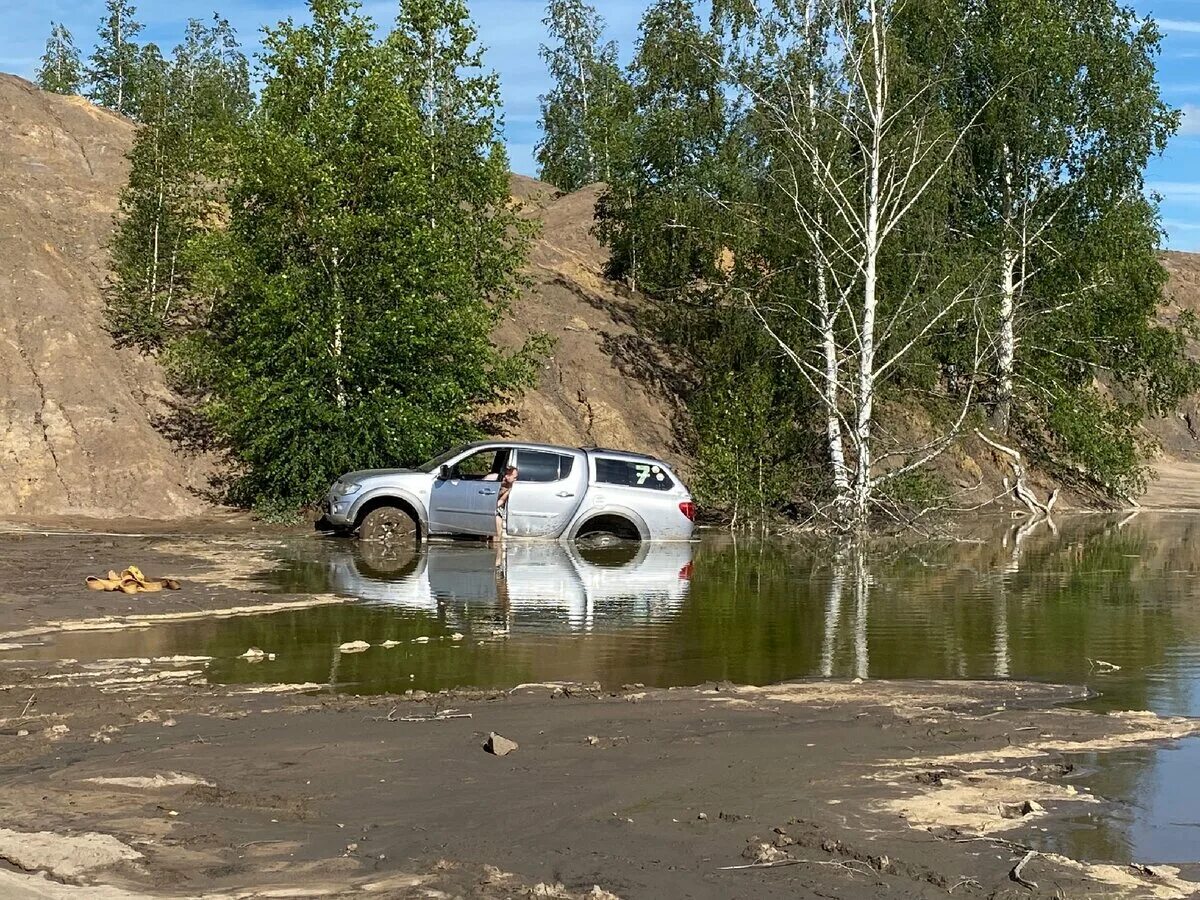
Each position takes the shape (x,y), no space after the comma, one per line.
(465,502)
(550,486)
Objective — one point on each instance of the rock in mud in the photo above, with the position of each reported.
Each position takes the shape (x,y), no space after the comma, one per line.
(762,852)
(782,838)
(498,745)
(933,778)
(1019,810)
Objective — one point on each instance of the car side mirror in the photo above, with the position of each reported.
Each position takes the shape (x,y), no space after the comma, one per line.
(444,473)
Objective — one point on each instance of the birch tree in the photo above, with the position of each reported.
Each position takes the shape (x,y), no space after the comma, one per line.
(190,109)
(61,70)
(657,217)
(114,62)
(371,250)
(1051,156)
(586,113)
(861,155)
(1072,115)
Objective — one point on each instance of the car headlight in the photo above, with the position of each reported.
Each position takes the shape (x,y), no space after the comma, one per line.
(341,489)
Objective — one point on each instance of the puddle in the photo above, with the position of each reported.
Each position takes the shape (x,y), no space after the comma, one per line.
(1047,606)
(1148,811)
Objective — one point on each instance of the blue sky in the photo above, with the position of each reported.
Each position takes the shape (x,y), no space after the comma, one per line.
(512,31)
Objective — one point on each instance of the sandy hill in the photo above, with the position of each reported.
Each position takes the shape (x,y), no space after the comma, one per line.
(77,416)
(605,383)
(1178,467)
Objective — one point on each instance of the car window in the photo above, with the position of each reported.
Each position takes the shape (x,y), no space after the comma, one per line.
(441,459)
(543,466)
(630,473)
(480,465)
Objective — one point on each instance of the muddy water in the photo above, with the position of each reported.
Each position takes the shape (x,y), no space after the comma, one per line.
(1107,602)
(1063,606)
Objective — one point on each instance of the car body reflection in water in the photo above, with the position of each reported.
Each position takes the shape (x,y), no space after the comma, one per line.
(523,585)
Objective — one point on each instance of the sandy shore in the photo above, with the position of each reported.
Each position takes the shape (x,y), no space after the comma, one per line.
(138,778)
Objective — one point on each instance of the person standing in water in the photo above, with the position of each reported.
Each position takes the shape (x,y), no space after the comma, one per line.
(506,486)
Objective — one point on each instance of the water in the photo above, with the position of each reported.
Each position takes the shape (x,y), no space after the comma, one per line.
(1001,603)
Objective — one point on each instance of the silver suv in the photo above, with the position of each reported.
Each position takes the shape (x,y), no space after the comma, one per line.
(561,492)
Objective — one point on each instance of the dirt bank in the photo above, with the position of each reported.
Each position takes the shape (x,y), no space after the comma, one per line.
(861,789)
(139,777)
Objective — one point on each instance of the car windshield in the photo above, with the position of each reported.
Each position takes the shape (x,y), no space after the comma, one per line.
(441,459)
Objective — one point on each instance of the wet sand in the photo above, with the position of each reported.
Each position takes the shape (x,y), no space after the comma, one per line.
(137,778)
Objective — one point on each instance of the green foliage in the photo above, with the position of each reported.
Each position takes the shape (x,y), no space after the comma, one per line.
(1091,441)
(164,262)
(714,214)
(658,216)
(1071,114)
(915,493)
(369,252)
(750,458)
(114,62)
(61,70)
(586,116)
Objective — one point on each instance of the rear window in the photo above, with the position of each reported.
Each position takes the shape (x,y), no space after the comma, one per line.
(629,473)
(541,466)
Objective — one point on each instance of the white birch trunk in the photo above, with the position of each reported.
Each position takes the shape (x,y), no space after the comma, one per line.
(339,385)
(587,137)
(827,315)
(1006,339)
(866,338)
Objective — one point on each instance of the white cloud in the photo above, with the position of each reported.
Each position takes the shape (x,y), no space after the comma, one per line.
(1189,26)
(1191,119)
(1173,189)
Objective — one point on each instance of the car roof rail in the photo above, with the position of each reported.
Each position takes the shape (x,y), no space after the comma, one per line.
(620,452)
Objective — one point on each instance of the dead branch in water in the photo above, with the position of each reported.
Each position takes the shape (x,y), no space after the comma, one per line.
(1020,487)
(1015,874)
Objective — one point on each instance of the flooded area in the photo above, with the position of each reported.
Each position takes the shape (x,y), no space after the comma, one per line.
(1112,604)
(1109,603)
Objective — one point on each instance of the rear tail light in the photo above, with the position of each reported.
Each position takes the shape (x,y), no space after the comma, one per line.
(688,508)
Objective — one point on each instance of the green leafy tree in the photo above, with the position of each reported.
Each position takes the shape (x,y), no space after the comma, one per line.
(1072,113)
(190,111)
(657,216)
(114,62)
(148,92)
(61,70)
(370,250)
(586,116)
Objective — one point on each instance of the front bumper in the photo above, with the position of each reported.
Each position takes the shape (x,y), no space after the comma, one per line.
(336,512)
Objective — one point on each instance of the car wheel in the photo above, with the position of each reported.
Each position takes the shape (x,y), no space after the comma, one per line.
(389,525)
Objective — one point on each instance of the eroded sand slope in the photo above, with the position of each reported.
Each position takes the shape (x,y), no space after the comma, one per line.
(76,431)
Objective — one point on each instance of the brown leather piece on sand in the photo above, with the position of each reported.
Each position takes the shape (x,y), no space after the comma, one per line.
(131,581)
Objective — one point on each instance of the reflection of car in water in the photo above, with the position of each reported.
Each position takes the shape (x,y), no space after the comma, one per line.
(524,581)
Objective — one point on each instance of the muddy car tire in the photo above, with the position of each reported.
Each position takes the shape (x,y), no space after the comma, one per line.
(389,525)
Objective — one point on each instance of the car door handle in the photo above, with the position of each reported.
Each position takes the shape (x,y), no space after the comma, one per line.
(564,494)
(487,492)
